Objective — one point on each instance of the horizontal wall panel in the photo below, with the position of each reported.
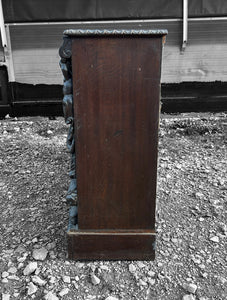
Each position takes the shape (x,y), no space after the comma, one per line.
(36,60)
(1,50)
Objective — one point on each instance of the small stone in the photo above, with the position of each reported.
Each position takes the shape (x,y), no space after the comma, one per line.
(64,292)
(32,289)
(77,278)
(105,268)
(141,282)
(140,264)
(35,240)
(224,229)
(16,295)
(5,296)
(31,267)
(222,280)
(199,195)
(66,279)
(196,260)
(80,265)
(20,265)
(188,297)
(151,273)
(52,255)
(5,274)
(202,266)
(132,268)
(5,280)
(21,259)
(37,271)
(214,239)
(40,254)
(161,276)
(75,285)
(20,249)
(190,287)
(51,246)
(151,281)
(12,270)
(13,277)
(204,275)
(111,298)
(94,279)
(53,279)
(93,267)
(174,240)
(51,296)
(49,132)
(37,280)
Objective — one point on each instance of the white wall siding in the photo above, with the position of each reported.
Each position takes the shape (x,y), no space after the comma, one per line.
(36,60)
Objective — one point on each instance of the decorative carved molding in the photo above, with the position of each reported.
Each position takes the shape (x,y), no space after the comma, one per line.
(86,32)
(65,50)
(65,53)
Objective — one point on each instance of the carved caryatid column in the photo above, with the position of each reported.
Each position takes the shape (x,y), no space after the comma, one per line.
(65,53)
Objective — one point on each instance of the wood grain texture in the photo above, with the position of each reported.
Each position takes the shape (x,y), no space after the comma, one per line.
(116,83)
(110,246)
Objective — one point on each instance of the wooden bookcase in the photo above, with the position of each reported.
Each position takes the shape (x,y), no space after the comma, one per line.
(116,95)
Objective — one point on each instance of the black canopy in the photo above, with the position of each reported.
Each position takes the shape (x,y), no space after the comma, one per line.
(82,10)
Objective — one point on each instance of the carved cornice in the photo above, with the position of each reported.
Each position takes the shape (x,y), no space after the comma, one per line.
(87,32)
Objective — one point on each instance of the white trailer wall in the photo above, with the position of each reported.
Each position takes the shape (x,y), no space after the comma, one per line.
(35,50)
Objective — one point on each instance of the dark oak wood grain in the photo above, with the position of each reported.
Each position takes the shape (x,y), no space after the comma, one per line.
(111,246)
(116,88)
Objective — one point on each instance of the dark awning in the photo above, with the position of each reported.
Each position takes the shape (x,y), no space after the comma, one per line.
(82,10)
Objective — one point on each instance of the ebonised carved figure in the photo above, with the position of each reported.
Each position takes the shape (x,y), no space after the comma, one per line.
(66,67)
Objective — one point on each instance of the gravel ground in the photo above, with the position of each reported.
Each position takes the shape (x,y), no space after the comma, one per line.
(191,255)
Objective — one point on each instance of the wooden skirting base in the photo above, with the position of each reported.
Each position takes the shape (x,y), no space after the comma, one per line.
(111,245)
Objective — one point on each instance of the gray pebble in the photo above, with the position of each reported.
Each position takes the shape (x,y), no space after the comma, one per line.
(190,287)
(37,280)
(151,273)
(214,239)
(51,246)
(94,279)
(132,268)
(53,279)
(66,279)
(13,277)
(5,296)
(51,296)
(12,270)
(63,292)
(40,254)
(5,274)
(188,297)
(31,267)
(32,289)
(141,282)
